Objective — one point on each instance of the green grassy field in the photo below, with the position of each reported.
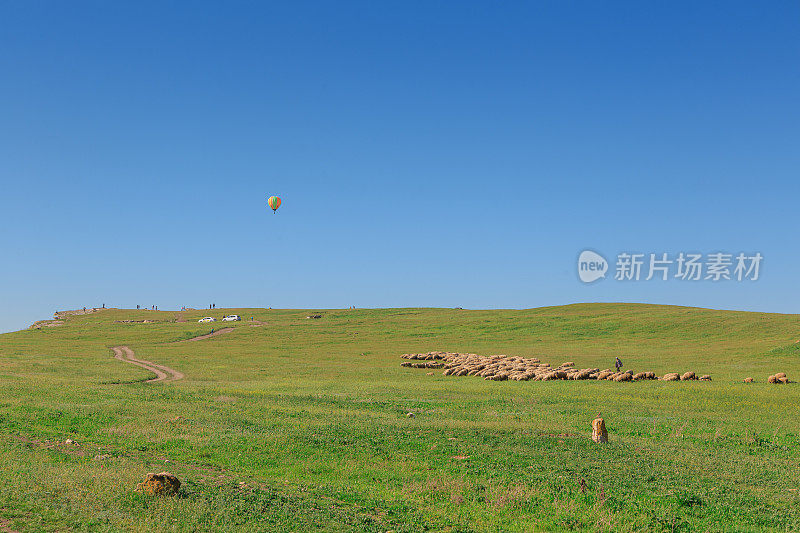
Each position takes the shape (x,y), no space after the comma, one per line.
(302,425)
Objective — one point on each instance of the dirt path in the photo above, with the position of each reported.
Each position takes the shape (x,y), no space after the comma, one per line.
(163,373)
(209,335)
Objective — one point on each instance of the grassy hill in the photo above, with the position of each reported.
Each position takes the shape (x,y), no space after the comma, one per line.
(301,424)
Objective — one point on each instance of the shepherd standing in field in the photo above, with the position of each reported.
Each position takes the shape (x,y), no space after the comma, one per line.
(617,363)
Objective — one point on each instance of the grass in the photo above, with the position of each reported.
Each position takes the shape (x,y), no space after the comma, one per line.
(301,424)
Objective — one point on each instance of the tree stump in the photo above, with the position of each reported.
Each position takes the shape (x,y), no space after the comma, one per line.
(599,433)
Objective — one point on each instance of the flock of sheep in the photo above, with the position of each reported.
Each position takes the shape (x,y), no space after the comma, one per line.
(778,378)
(504,367)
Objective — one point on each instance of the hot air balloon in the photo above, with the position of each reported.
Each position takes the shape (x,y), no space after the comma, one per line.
(274,202)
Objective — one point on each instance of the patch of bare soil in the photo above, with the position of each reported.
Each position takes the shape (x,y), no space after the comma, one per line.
(46,324)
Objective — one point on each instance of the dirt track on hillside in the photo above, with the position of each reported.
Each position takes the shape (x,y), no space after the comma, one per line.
(163,373)
(209,335)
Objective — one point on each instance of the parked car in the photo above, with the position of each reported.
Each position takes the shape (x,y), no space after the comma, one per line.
(231,318)
(208,319)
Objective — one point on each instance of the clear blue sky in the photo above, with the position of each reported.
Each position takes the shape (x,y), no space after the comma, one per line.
(427,153)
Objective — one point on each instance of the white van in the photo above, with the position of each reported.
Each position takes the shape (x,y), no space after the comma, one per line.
(231,318)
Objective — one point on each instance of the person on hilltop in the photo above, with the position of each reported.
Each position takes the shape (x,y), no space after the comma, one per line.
(617,363)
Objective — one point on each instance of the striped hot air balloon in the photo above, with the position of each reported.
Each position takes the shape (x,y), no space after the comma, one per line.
(274,202)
